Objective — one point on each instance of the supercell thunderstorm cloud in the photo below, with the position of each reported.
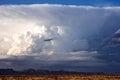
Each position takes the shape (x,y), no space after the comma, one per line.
(44,36)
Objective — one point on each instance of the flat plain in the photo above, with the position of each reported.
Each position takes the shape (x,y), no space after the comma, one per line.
(60,77)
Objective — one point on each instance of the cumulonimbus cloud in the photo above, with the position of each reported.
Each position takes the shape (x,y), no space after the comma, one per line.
(56,32)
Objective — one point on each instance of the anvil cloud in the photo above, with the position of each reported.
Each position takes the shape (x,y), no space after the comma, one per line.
(59,34)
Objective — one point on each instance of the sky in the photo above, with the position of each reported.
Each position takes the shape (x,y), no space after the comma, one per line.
(60,35)
(64,2)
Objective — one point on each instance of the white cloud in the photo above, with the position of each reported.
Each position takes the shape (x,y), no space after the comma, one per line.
(117,32)
(53,32)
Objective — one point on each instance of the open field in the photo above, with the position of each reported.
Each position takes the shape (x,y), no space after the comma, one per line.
(60,77)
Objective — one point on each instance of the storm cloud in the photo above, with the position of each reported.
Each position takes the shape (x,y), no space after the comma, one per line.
(58,35)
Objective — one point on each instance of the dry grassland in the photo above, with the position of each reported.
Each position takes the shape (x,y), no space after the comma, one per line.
(60,77)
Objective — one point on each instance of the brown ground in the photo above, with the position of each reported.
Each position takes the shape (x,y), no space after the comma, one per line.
(60,77)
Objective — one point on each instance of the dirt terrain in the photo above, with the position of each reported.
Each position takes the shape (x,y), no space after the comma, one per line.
(60,77)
